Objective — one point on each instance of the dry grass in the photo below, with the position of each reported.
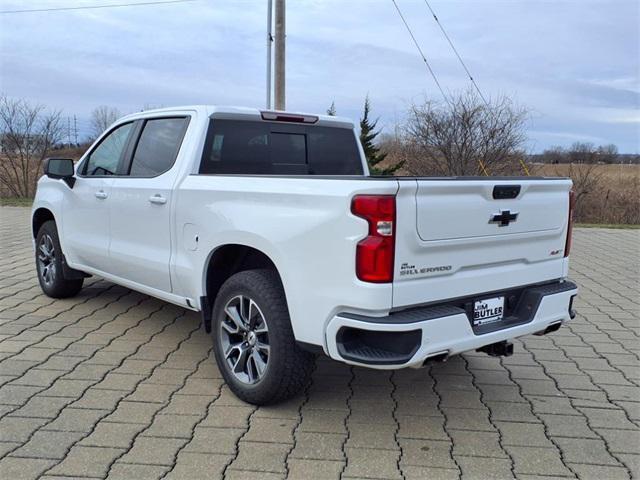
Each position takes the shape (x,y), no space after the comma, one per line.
(612,172)
(15,202)
(614,198)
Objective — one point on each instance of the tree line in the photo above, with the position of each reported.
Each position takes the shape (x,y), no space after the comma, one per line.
(464,135)
(29,133)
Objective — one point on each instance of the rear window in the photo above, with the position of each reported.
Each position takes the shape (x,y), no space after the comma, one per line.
(271,148)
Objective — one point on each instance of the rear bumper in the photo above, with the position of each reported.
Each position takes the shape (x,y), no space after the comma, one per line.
(409,338)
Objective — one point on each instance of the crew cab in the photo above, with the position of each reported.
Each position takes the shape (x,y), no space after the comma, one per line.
(270,225)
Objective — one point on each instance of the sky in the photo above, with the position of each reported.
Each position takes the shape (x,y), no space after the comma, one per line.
(575,64)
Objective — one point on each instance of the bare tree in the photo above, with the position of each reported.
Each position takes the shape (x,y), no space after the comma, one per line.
(583,169)
(554,155)
(582,153)
(608,154)
(464,136)
(27,133)
(101,118)
(151,106)
(587,180)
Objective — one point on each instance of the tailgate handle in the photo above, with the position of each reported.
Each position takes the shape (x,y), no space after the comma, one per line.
(503,192)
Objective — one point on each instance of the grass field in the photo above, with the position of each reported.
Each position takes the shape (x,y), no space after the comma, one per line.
(608,194)
(15,202)
(612,173)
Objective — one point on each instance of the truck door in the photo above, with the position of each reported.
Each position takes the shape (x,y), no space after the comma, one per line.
(140,207)
(86,207)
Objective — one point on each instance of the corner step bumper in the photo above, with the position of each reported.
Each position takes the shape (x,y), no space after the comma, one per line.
(408,338)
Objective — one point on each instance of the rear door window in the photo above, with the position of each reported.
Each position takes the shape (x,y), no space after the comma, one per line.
(271,148)
(158,146)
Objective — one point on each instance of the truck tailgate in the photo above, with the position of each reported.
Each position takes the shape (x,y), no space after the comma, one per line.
(462,210)
(460,237)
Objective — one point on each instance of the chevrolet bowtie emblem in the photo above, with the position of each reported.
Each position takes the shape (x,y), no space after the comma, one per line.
(504,218)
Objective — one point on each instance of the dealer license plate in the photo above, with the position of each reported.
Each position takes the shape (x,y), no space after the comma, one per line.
(489,310)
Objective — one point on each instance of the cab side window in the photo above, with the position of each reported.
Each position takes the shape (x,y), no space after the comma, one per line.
(106,157)
(158,146)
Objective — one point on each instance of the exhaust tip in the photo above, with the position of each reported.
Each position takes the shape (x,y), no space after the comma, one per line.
(436,358)
(554,327)
(572,312)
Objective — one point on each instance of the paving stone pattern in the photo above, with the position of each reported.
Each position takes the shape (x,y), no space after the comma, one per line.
(114,384)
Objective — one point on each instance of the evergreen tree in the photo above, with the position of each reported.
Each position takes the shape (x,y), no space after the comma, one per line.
(331,111)
(372,153)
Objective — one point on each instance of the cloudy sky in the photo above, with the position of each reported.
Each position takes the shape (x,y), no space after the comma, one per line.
(574,63)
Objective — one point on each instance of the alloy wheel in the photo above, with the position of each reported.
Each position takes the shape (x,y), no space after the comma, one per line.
(47,259)
(244,336)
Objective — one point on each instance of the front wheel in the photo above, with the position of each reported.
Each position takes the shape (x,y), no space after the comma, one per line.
(49,264)
(255,348)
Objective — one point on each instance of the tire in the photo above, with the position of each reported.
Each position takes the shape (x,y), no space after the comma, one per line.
(49,264)
(256,300)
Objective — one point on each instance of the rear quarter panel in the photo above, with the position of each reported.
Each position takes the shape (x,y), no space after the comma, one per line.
(304,225)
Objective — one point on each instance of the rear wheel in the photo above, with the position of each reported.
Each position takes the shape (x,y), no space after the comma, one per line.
(254,343)
(49,264)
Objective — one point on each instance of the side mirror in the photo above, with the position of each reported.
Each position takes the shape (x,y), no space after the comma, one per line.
(60,168)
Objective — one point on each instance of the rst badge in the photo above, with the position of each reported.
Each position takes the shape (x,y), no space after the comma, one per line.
(488,311)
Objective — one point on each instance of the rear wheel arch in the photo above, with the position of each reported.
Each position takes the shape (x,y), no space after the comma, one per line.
(227,260)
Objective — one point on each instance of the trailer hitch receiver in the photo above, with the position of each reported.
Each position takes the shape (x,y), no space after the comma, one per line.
(499,349)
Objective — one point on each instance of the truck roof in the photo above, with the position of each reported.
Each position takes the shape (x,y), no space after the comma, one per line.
(231,112)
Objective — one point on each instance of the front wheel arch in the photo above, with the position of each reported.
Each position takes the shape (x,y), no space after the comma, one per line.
(39,217)
(58,284)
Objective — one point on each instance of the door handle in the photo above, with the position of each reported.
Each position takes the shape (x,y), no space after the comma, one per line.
(101,194)
(158,199)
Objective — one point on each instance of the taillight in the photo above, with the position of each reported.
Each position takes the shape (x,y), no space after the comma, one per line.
(375,253)
(572,205)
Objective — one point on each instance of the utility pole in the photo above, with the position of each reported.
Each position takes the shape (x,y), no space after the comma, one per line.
(279,78)
(68,131)
(269,47)
(75,130)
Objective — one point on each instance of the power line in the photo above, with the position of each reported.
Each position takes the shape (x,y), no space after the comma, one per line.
(444,32)
(90,7)
(424,58)
(480,162)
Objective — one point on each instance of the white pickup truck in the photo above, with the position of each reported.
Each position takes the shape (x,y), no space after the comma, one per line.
(270,225)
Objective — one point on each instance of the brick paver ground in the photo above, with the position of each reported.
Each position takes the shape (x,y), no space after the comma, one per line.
(116,384)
